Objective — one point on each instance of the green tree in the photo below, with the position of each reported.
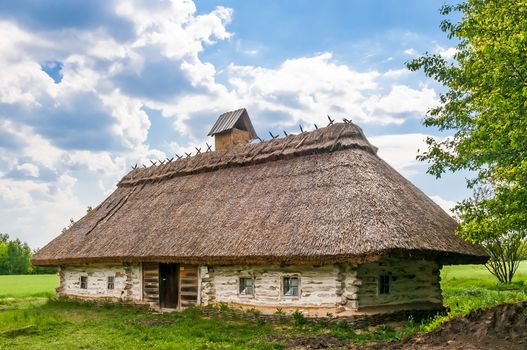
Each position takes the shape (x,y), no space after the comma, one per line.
(15,256)
(485,106)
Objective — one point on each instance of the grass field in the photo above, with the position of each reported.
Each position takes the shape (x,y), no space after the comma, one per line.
(30,320)
(468,287)
(28,285)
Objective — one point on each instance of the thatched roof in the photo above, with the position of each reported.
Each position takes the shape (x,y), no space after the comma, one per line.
(317,197)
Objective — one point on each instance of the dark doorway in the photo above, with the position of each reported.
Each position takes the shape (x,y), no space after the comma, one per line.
(169,285)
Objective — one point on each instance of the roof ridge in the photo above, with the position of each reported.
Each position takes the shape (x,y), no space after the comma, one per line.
(323,140)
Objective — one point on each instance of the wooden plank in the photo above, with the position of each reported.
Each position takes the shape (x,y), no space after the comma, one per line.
(189,275)
(151,282)
(188,296)
(189,282)
(188,285)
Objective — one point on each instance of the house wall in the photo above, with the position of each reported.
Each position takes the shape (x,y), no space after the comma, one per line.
(412,283)
(318,286)
(127,281)
(338,289)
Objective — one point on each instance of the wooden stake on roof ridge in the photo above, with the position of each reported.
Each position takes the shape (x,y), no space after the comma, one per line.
(285,133)
(188,154)
(198,150)
(259,139)
(301,130)
(170,159)
(316,127)
(273,136)
(331,121)
(153,163)
(178,156)
(208,147)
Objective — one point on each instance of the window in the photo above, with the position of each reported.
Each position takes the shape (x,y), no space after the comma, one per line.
(84,282)
(111,281)
(384,284)
(246,286)
(291,286)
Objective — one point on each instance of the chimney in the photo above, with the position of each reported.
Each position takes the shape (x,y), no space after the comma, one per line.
(232,128)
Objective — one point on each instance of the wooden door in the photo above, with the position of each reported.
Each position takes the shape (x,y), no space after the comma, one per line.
(169,286)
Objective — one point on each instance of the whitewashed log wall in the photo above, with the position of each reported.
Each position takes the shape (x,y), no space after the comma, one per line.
(344,287)
(127,281)
(318,285)
(340,287)
(411,282)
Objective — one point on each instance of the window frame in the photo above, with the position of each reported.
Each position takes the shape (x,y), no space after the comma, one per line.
(283,286)
(110,285)
(248,278)
(383,285)
(83,282)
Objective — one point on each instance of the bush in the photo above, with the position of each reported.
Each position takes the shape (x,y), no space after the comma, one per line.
(298,318)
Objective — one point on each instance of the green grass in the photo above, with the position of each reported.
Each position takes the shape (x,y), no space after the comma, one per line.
(476,275)
(469,287)
(28,285)
(29,319)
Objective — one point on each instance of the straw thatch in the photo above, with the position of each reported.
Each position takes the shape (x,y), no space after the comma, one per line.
(317,197)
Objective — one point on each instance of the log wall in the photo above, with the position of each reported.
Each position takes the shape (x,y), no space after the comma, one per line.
(318,285)
(411,282)
(340,288)
(127,281)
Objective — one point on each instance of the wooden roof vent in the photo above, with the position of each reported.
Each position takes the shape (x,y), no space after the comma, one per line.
(232,128)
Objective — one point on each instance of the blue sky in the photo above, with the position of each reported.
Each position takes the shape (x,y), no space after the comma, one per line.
(90,88)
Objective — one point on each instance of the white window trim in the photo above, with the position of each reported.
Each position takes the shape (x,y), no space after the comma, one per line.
(248,296)
(282,292)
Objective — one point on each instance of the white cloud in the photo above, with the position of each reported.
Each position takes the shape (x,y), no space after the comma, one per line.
(306,89)
(32,145)
(403,99)
(410,52)
(175,29)
(400,151)
(396,73)
(35,211)
(447,205)
(446,53)
(252,52)
(132,122)
(28,169)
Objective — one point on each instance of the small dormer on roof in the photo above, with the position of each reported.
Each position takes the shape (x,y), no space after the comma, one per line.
(232,128)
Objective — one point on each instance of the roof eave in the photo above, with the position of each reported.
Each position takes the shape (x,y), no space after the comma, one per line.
(444,258)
